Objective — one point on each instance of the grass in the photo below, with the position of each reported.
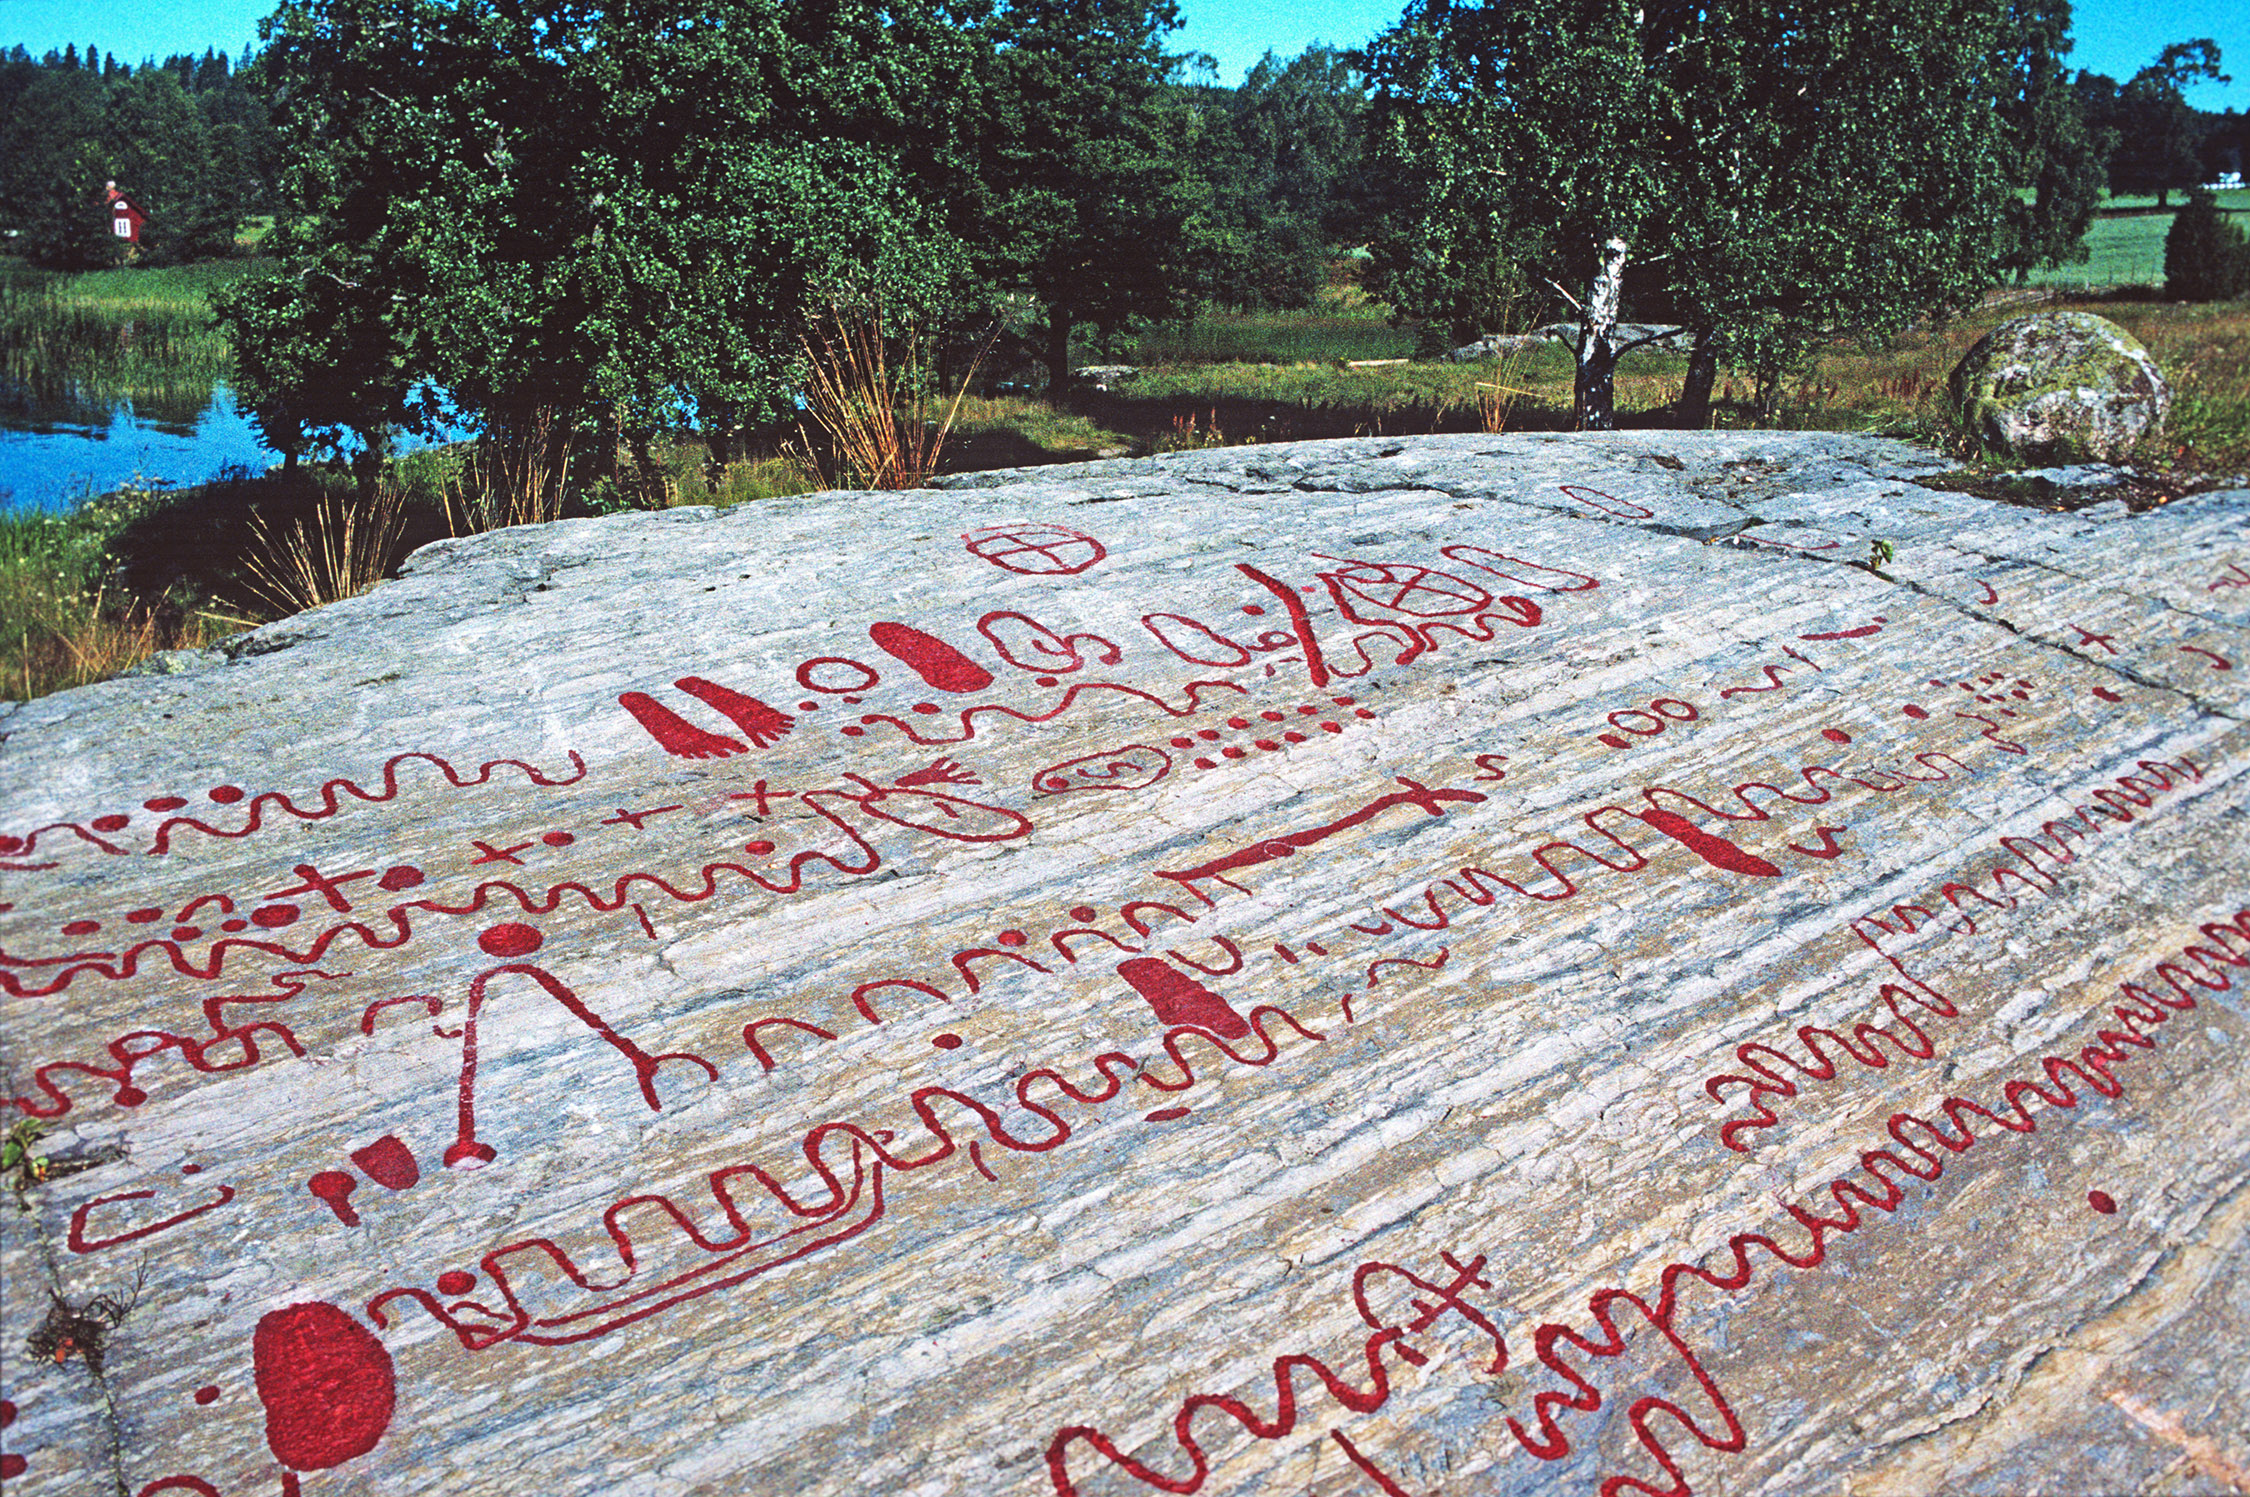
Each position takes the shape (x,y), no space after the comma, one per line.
(87,594)
(2205,352)
(1341,325)
(2129,251)
(881,421)
(340,550)
(103,336)
(684,473)
(2120,252)
(2236,199)
(67,616)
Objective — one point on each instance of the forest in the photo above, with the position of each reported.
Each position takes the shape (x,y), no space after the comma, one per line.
(191,139)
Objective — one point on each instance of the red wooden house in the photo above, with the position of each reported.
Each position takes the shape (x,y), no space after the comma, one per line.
(125,219)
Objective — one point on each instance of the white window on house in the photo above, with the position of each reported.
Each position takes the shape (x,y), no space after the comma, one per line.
(121,226)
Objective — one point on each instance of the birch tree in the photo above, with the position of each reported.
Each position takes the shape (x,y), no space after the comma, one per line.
(1773,174)
(1548,129)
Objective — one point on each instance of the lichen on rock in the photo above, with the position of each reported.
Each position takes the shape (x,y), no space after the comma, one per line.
(2058,386)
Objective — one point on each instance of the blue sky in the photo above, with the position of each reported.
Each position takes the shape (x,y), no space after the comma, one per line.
(2116,37)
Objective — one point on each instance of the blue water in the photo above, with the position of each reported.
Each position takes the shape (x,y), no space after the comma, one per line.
(54,454)
(50,460)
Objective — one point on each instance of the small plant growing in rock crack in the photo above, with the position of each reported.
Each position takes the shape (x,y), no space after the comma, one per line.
(18,1164)
(83,1329)
(22,1166)
(1879,555)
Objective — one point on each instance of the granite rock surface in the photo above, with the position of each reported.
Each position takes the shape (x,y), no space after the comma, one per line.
(1482,964)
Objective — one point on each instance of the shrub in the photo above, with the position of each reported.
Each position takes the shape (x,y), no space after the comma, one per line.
(2206,258)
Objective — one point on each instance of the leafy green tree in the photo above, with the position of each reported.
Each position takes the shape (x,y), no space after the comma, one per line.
(239,123)
(1282,154)
(2158,130)
(52,167)
(319,363)
(159,152)
(1809,222)
(1083,191)
(2206,258)
(1539,133)
(1776,175)
(555,212)
(2060,159)
(2226,144)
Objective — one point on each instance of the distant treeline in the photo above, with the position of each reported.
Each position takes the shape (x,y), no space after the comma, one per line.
(2151,139)
(189,140)
(193,141)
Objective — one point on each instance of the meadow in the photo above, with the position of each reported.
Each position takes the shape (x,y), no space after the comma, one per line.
(90,592)
(2125,247)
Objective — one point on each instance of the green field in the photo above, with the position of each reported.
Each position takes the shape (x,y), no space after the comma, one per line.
(2130,251)
(1342,324)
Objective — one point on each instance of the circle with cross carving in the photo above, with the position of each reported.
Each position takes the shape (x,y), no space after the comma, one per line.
(1036,550)
(1414,590)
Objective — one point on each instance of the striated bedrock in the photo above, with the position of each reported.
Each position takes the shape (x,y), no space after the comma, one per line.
(1481,964)
(2059,387)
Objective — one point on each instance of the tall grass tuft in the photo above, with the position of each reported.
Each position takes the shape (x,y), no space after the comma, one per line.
(517,475)
(740,482)
(877,416)
(342,549)
(1497,397)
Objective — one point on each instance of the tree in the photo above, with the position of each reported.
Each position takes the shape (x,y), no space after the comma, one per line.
(1775,175)
(1083,193)
(158,150)
(1282,154)
(52,166)
(554,212)
(2060,159)
(2206,258)
(2158,129)
(1810,221)
(1540,131)
(2226,144)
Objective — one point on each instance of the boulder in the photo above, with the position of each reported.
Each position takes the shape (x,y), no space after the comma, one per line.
(1102,376)
(2059,386)
(1486,963)
(1645,334)
(1495,346)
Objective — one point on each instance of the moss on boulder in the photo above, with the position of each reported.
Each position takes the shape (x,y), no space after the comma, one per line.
(2059,385)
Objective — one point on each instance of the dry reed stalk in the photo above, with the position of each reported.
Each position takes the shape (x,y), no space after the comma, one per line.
(341,554)
(516,476)
(877,416)
(82,645)
(1497,401)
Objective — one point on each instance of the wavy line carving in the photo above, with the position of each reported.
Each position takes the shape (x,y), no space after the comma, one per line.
(1921,1149)
(849,1202)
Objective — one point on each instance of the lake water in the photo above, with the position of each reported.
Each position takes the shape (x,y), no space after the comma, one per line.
(53,453)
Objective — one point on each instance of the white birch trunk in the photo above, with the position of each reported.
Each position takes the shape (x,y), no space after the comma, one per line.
(1597,349)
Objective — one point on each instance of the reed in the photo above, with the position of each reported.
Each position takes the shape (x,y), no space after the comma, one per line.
(877,415)
(340,550)
(82,343)
(518,474)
